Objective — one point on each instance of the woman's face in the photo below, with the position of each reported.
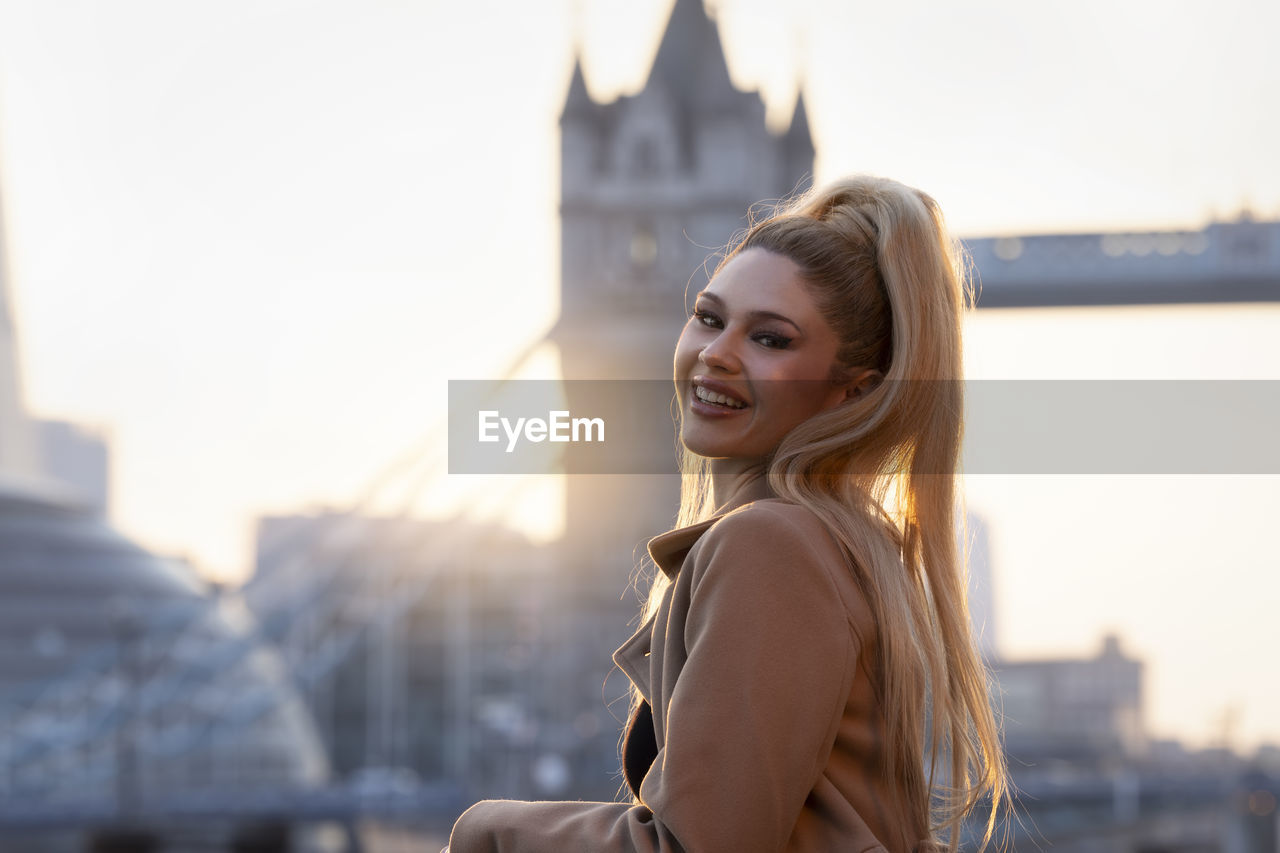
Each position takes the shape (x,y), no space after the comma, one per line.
(755,337)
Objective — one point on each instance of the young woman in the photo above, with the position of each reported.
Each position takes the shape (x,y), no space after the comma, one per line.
(805,679)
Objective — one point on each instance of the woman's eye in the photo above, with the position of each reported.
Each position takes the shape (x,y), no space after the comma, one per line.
(773,341)
(765,339)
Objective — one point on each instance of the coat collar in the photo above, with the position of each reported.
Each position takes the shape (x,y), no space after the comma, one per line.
(668,549)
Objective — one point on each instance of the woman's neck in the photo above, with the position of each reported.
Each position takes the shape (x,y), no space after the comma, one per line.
(732,479)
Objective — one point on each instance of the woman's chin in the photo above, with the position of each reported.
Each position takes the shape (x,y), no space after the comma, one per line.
(715,447)
(708,449)
(694,450)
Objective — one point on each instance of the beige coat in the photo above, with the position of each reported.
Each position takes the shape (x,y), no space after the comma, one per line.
(757,667)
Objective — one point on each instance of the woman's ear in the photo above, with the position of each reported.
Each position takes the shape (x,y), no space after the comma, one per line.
(868,380)
(862,380)
(853,382)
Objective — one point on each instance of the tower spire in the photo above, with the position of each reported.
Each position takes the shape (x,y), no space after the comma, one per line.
(17,438)
(690,62)
(578,101)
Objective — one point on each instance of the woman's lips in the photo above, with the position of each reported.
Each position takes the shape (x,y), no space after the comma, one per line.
(712,409)
(714,389)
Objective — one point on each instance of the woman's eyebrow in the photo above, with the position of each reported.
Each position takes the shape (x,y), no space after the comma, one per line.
(752,315)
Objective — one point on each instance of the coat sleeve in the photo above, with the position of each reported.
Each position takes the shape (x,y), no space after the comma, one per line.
(750,721)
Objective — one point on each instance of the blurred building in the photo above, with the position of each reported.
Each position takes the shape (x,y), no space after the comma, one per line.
(138,710)
(650,183)
(45,454)
(1085,711)
(18,448)
(128,689)
(451,650)
(78,459)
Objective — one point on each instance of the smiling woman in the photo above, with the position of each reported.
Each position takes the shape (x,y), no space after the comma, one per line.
(753,370)
(804,679)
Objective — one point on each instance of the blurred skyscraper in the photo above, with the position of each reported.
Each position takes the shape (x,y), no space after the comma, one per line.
(18,455)
(68,458)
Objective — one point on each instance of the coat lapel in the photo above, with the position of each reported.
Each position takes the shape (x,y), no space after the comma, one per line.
(668,550)
(632,657)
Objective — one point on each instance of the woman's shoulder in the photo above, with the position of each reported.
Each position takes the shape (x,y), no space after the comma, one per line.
(779,531)
(781,550)
(777,520)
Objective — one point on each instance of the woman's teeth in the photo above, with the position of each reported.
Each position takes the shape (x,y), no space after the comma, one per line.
(711,397)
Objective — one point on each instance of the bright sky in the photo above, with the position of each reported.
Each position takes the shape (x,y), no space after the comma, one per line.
(252,240)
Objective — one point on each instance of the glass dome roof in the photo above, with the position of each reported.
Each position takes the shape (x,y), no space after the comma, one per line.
(123,674)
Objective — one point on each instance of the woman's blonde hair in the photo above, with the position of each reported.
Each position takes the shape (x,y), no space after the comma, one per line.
(876,257)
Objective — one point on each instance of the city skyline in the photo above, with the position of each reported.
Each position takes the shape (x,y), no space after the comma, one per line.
(234,184)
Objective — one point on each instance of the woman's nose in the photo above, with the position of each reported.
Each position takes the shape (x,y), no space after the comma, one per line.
(720,353)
